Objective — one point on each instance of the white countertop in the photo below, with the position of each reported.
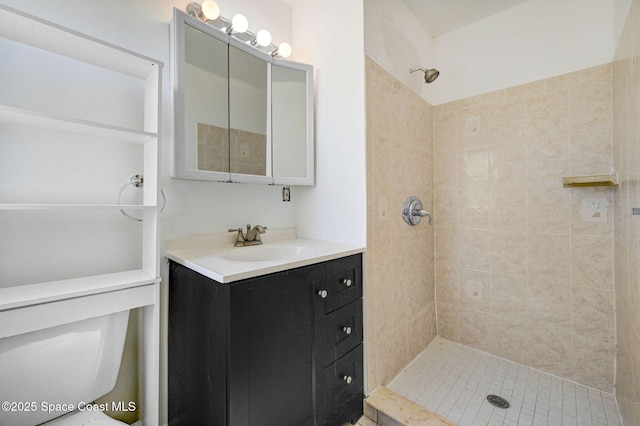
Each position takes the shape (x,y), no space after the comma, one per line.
(211,255)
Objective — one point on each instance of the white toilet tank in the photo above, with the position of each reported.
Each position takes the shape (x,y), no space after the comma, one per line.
(48,372)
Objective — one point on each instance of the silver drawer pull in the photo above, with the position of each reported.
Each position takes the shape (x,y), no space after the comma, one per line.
(323,294)
(347,330)
(347,379)
(347,282)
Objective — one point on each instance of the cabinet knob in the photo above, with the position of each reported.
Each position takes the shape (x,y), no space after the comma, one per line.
(323,294)
(347,379)
(347,330)
(347,282)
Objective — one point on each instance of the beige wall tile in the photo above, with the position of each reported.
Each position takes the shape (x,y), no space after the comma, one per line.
(591,105)
(550,350)
(549,304)
(508,119)
(447,283)
(475,329)
(400,260)
(446,209)
(548,257)
(473,207)
(473,165)
(591,153)
(592,312)
(510,337)
(548,114)
(626,153)
(547,160)
(502,219)
(593,366)
(447,245)
(448,321)
(474,290)
(518,226)
(548,209)
(446,168)
(508,208)
(579,225)
(509,295)
(508,161)
(592,261)
(509,252)
(474,249)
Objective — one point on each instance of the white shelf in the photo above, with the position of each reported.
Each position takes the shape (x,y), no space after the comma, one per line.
(95,295)
(28,206)
(47,121)
(34,294)
(36,32)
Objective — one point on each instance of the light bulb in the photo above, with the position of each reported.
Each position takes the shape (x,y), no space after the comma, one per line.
(239,23)
(210,9)
(284,50)
(263,38)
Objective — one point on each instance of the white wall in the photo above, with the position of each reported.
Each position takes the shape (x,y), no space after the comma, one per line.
(143,26)
(329,35)
(397,41)
(193,207)
(535,40)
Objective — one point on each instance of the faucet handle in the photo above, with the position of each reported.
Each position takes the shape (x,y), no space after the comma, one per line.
(239,238)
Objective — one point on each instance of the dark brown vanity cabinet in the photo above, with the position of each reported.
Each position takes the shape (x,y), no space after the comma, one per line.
(281,349)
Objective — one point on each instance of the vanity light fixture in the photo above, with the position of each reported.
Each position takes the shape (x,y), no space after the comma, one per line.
(210,10)
(283,51)
(239,24)
(238,27)
(263,38)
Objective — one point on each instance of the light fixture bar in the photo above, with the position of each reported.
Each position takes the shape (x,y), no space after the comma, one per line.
(225,25)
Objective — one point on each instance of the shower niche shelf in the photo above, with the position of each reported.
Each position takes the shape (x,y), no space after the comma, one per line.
(608,179)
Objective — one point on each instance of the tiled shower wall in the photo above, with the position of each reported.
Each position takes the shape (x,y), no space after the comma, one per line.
(524,266)
(626,99)
(399,269)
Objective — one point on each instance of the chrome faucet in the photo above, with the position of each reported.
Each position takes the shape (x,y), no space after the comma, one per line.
(251,238)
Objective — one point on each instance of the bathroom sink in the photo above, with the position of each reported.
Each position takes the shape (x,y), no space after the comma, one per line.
(265,253)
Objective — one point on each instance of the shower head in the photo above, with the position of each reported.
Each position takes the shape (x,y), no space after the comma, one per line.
(429,75)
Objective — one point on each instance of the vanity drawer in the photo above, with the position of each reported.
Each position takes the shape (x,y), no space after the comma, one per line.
(342,284)
(339,332)
(339,383)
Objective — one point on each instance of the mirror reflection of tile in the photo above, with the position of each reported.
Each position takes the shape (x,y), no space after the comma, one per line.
(245,152)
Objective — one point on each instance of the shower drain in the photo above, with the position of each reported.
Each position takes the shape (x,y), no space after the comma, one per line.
(498,401)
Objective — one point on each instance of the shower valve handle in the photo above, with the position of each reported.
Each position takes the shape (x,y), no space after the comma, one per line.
(422,213)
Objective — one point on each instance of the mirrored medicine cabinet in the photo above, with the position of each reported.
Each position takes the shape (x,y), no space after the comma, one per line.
(239,114)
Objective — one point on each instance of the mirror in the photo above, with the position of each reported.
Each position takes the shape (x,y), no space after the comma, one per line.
(206,112)
(249,138)
(292,123)
(239,114)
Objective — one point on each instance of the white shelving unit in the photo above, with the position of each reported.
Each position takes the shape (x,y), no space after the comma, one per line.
(133,289)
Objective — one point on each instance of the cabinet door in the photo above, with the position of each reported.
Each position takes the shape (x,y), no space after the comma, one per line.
(271,350)
(197,349)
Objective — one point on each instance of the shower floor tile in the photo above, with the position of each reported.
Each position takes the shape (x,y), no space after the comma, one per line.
(453,381)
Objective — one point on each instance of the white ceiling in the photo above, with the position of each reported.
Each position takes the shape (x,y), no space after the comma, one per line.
(441,16)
